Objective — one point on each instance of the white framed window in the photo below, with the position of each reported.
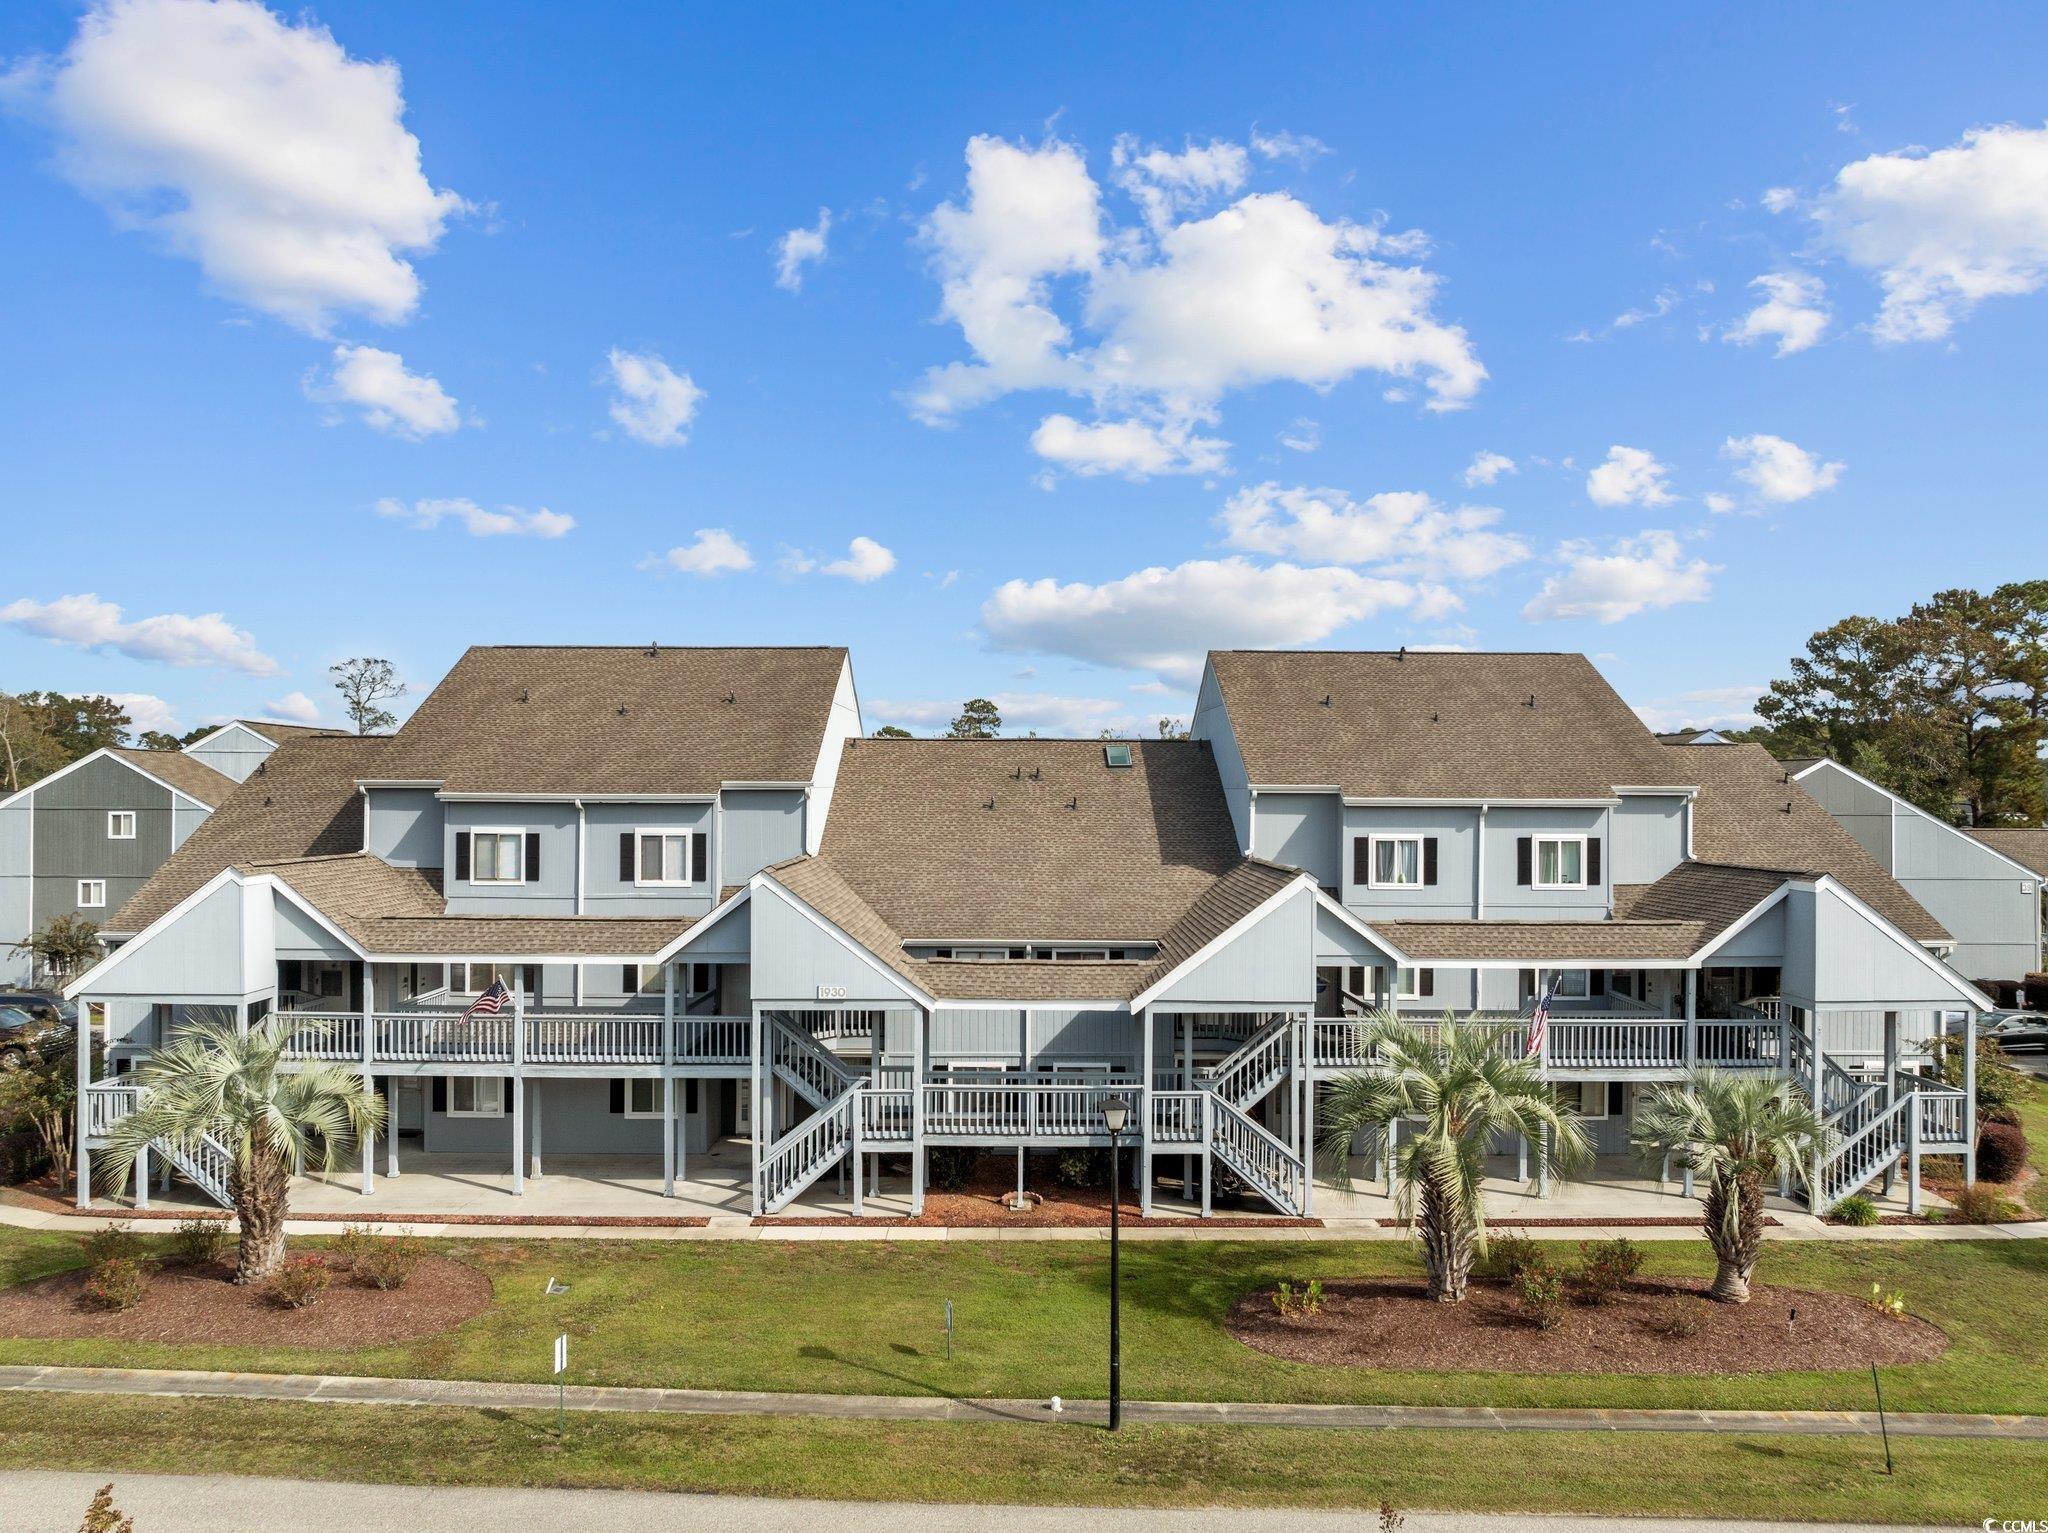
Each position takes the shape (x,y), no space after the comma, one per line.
(1560,862)
(1602,1099)
(476,978)
(120,824)
(497,856)
(1396,862)
(1572,984)
(664,857)
(1413,984)
(476,1096)
(1079,954)
(92,893)
(643,1097)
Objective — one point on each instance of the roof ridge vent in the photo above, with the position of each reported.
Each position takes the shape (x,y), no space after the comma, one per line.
(653,649)
(525,695)
(731,698)
(1531,702)
(1401,654)
(991,803)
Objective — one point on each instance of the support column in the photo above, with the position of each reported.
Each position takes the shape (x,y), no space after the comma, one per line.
(1393,1143)
(391,1125)
(534,1153)
(1969,1098)
(1144,1108)
(84,1079)
(1692,1018)
(668,1136)
(142,1177)
(1522,1159)
(682,1139)
(754,1125)
(1542,1162)
(1208,1150)
(1891,1085)
(1913,1162)
(1308,1112)
(369,1146)
(1187,1083)
(860,1157)
(917,1077)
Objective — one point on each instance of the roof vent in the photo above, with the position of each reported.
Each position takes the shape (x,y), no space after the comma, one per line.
(1326,699)
(1117,754)
(1788,806)
(731,697)
(261,767)
(266,801)
(653,649)
(1531,702)
(1403,655)
(1018,775)
(1035,774)
(1436,718)
(1074,802)
(525,695)
(622,710)
(990,804)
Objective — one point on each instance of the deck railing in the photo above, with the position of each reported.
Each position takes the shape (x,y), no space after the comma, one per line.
(884,1115)
(106,1105)
(1022,1112)
(1177,1117)
(578,1037)
(713,1040)
(1942,1117)
(622,1038)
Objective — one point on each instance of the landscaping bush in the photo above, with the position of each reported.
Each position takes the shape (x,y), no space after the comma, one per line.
(950,1168)
(2001,1151)
(1539,1289)
(2034,992)
(2005,993)
(1680,1320)
(110,1242)
(1606,1267)
(1082,1168)
(118,1282)
(199,1242)
(1980,1204)
(1506,1256)
(388,1261)
(1856,1209)
(300,1281)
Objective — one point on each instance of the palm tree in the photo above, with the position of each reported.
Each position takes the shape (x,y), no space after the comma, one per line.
(1736,1131)
(1466,1087)
(212,1078)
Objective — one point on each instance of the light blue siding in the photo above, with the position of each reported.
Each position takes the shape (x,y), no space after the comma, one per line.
(186,817)
(730,939)
(759,826)
(1269,963)
(16,886)
(1212,723)
(197,956)
(552,894)
(1336,941)
(605,893)
(1301,830)
(1836,956)
(1648,838)
(1505,899)
(1760,942)
(1457,839)
(1857,807)
(234,751)
(993,1033)
(298,935)
(1080,1036)
(794,956)
(404,827)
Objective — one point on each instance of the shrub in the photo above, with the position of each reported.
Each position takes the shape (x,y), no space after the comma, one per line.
(1979,1204)
(950,1167)
(1539,1289)
(117,1282)
(300,1281)
(2034,992)
(105,1517)
(199,1242)
(1607,1266)
(351,1245)
(1507,1255)
(1888,1302)
(2001,1151)
(1312,1296)
(388,1261)
(1856,1209)
(2005,993)
(1082,1168)
(1285,1299)
(114,1240)
(1680,1320)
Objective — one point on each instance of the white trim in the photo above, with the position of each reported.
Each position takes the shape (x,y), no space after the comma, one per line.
(447,796)
(803,907)
(697,928)
(1373,841)
(130,816)
(1224,938)
(1297,787)
(107,751)
(1344,914)
(684,834)
(518,835)
(84,903)
(1416,971)
(757,787)
(1536,840)
(628,1110)
(477,1084)
(1899,803)
(1491,800)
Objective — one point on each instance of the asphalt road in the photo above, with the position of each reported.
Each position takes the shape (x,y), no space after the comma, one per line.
(47,1502)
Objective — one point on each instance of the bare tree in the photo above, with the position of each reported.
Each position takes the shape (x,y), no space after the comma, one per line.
(363,684)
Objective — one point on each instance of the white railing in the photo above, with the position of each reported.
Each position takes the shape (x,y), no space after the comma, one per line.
(417,1037)
(1584,1044)
(206,1164)
(713,1040)
(806,1064)
(803,1154)
(1253,1069)
(1943,1120)
(1854,1158)
(1266,1163)
(107,1105)
(1176,1117)
(567,1037)
(623,1038)
(837,1026)
(1741,1043)
(885,1115)
(324,1035)
(1022,1111)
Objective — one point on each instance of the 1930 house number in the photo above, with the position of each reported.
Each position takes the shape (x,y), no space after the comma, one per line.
(831,992)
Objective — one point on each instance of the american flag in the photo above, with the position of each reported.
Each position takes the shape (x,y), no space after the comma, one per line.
(491,1002)
(1539,1019)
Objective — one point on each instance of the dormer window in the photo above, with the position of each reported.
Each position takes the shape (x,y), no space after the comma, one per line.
(495,857)
(661,858)
(1560,862)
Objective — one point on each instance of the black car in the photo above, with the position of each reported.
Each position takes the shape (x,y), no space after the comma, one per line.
(2016,1032)
(25,1034)
(42,1003)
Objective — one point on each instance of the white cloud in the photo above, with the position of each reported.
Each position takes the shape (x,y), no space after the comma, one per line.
(1404,532)
(1303,435)
(1295,148)
(1777,199)
(293,708)
(713,551)
(389,398)
(1778,470)
(1046,712)
(1794,312)
(1164,619)
(255,147)
(1158,320)
(655,403)
(1486,467)
(145,711)
(1629,477)
(1657,308)
(1943,231)
(1707,708)
(505,522)
(1645,572)
(1718,503)
(865,561)
(1134,448)
(798,249)
(170,638)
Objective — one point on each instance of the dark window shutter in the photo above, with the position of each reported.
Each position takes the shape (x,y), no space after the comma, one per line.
(625,857)
(1616,1091)
(632,978)
(1592,859)
(1429,859)
(1425,982)
(1597,983)
(462,856)
(690,1095)
(1525,860)
(1528,984)
(529,980)
(440,1093)
(618,1095)
(700,845)
(1361,859)
(533,857)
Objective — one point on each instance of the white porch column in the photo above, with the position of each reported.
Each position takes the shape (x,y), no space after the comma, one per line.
(142,1177)
(1306,1026)
(1969,1097)
(860,1155)
(1144,1106)
(534,1149)
(1891,1083)
(1393,1143)
(391,1125)
(1692,1047)
(519,1134)
(84,1080)
(369,1145)
(917,1078)
(756,1128)
(1187,1083)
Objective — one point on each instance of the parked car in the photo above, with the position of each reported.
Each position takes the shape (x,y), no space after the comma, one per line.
(42,1003)
(24,1033)
(2015,1032)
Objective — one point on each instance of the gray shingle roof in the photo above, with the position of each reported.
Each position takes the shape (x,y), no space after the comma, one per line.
(1543,942)
(188,774)
(1434,725)
(2027,847)
(548,719)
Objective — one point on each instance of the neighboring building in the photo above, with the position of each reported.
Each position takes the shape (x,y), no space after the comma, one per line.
(240,746)
(1693,737)
(1989,897)
(725,916)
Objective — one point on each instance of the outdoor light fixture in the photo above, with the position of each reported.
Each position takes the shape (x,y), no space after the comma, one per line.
(1116,1112)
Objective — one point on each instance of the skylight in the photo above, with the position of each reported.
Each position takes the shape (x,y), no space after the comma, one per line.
(1117,755)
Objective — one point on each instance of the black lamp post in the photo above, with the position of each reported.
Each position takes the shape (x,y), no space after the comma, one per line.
(1116,1113)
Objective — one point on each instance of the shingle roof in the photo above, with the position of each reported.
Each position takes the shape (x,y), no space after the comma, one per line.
(1708,894)
(1432,725)
(1750,814)
(302,803)
(547,719)
(2027,847)
(277,731)
(1544,942)
(188,774)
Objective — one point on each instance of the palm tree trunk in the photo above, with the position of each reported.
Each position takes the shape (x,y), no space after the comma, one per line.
(1446,1234)
(1735,1209)
(260,1197)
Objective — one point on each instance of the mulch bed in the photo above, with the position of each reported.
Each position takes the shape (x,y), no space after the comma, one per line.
(979,1206)
(1661,1221)
(201,1304)
(1390,1324)
(45,1200)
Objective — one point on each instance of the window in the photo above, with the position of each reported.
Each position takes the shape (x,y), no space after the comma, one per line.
(120,824)
(1118,755)
(1602,1099)
(476,1096)
(476,978)
(1396,861)
(92,893)
(703,979)
(643,1097)
(1414,984)
(1572,984)
(494,857)
(1560,862)
(669,857)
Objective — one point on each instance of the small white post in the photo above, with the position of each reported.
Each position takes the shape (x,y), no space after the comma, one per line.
(1308,1112)
(391,1125)
(917,1150)
(539,1106)
(755,1127)
(1208,1148)
(1144,1107)
(369,1145)
(519,1134)
(142,1177)
(1969,1098)
(859,1158)
(668,1135)
(1913,1158)
(83,1111)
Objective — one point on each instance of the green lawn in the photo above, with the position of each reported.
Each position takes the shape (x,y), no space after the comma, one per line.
(1937,1481)
(866,1317)
(2034,1120)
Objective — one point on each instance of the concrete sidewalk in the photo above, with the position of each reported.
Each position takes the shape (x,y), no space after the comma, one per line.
(343,1389)
(46,1501)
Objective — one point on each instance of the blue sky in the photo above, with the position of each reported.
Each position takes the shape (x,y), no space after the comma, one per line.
(1131,330)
